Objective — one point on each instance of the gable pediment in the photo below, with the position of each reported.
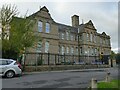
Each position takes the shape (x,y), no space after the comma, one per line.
(43,13)
(44,9)
(90,25)
(104,34)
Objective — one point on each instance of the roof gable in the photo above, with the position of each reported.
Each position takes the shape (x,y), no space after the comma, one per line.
(44,9)
(43,13)
(90,25)
(104,34)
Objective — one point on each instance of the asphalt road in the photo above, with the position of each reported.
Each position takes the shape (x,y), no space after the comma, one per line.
(58,79)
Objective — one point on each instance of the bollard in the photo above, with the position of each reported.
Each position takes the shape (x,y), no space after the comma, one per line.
(107,79)
(93,84)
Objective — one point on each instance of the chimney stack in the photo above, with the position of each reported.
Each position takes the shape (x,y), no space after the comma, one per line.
(75,20)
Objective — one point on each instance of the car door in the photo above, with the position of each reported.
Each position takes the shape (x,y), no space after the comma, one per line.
(0,66)
(4,66)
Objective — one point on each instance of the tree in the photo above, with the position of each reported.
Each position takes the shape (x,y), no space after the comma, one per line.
(112,56)
(118,58)
(21,34)
(6,14)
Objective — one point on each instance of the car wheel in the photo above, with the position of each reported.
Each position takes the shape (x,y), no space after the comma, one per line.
(10,74)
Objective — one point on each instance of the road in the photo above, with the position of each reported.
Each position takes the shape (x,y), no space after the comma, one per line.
(58,79)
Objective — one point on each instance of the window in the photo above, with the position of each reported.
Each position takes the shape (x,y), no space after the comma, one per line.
(80,37)
(67,50)
(59,50)
(72,50)
(95,38)
(106,41)
(47,28)
(76,38)
(62,49)
(87,37)
(47,47)
(5,62)
(72,37)
(39,26)
(95,51)
(78,30)
(80,50)
(59,35)
(92,51)
(91,36)
(76,50)
(39,46)
(88,52)
(0,62)
(62,35)
(101,40)
(67,35)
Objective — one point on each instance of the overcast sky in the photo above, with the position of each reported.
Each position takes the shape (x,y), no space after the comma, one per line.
(104,15)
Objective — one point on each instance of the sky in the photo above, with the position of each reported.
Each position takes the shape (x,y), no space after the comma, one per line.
(103,13)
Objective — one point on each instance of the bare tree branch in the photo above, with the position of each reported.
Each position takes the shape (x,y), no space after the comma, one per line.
(7,12)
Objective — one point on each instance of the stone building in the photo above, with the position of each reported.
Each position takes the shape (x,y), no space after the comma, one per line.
(80,40)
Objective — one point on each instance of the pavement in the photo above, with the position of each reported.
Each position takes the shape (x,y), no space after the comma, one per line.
(76,70)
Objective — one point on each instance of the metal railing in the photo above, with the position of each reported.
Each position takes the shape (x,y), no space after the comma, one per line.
(48,59)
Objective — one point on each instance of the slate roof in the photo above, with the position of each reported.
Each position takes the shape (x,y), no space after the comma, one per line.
(63,27)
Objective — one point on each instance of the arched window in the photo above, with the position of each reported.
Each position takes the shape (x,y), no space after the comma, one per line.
(47,28)
(91,37)
(39,46)
(67,50)
(72,37)
(81,50)
(87,37)
(62,35)
(39,26)
(62,50)
(72,50)
(76,50)
(95,38)
(46,47)
(67,35)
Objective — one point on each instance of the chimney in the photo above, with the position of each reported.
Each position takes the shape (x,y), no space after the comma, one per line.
(75,20)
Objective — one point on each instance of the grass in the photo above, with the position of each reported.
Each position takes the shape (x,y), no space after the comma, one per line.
(112,84)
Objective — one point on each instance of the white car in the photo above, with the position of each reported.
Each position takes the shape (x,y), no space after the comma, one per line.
(9,68)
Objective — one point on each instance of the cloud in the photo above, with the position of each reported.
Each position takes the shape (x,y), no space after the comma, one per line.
(59,1)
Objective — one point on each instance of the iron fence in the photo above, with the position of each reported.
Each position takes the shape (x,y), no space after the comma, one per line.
(36,59)
(48,59)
